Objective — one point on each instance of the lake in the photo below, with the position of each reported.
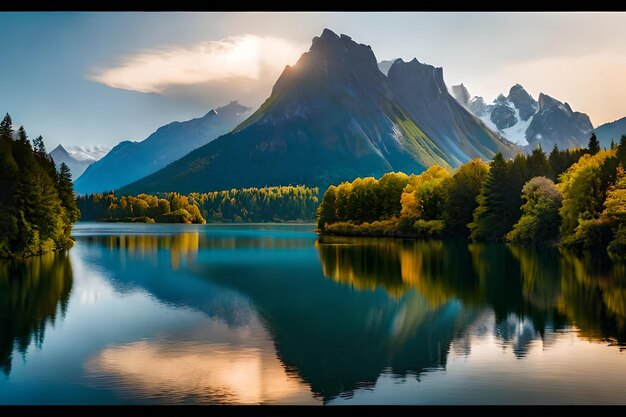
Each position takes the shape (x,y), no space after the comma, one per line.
(274,314)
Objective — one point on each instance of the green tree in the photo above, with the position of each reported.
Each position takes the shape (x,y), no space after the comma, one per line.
(66,194)
(327,209)
(594,144)
(584,193)
(461,192)
(540,220)
(492,218)
(32,217)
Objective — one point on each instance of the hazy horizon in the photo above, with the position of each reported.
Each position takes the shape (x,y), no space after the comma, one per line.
(99,78)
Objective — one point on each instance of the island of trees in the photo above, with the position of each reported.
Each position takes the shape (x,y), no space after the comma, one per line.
(37,203)
(574,198)
(267,204)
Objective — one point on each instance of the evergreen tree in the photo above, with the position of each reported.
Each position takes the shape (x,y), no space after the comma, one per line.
(621,151)
(492,217)
(538,165)
(6,127)
(32,217)
(66,194)
(594,144)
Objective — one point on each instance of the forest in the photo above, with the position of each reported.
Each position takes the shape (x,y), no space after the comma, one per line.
(267,204)
(573,198)
(37,202)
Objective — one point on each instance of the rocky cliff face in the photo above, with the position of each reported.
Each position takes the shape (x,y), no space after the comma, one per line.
(522,101)
(502,113)
(421,90)
(556,123)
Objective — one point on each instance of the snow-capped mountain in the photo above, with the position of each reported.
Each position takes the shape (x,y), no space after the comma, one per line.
(87,153)
(519,118)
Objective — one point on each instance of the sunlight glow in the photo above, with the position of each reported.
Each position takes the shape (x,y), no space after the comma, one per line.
(246,57)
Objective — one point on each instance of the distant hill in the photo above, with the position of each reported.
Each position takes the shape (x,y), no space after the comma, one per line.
(335,116)
(613,130)
(130,161)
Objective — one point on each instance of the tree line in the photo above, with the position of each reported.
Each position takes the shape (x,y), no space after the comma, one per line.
(575,198)
(37,203)
(279,203)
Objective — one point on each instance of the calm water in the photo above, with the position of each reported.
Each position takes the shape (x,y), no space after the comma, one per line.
(271,314)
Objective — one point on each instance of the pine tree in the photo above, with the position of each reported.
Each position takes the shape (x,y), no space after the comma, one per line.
(492,218)
(6,127)
(621,151)
(66,193)
(32,217)
(538,165)
(594,144)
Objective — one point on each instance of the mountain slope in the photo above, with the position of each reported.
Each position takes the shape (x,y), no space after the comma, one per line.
(331,117)
(130,161)
(422,92)
(613,130)
(77,167)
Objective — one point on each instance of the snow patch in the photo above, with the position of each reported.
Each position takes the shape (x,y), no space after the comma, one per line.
(87,153)
(517,132)
(396,133)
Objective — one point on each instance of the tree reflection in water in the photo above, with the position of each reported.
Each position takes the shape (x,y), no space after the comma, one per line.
(33,292)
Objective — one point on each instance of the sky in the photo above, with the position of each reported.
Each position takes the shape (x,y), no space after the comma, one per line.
(100,78)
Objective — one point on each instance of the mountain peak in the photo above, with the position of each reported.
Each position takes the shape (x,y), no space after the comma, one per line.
(327,34)
(331,117)
(330,44)
(60,149)
(429,73)
(232,109)
(524,102)
(545,101)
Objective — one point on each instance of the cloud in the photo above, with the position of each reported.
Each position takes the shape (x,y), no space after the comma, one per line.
(246,57)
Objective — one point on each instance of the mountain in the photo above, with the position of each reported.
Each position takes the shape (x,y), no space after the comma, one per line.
(130,161)
(556,123)
(331,117)
(77,167)
(613,130)
(521,119)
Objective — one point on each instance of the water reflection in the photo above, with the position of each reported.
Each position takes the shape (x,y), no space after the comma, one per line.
(261,315)
(196,371)
(33,292)
(529,289)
